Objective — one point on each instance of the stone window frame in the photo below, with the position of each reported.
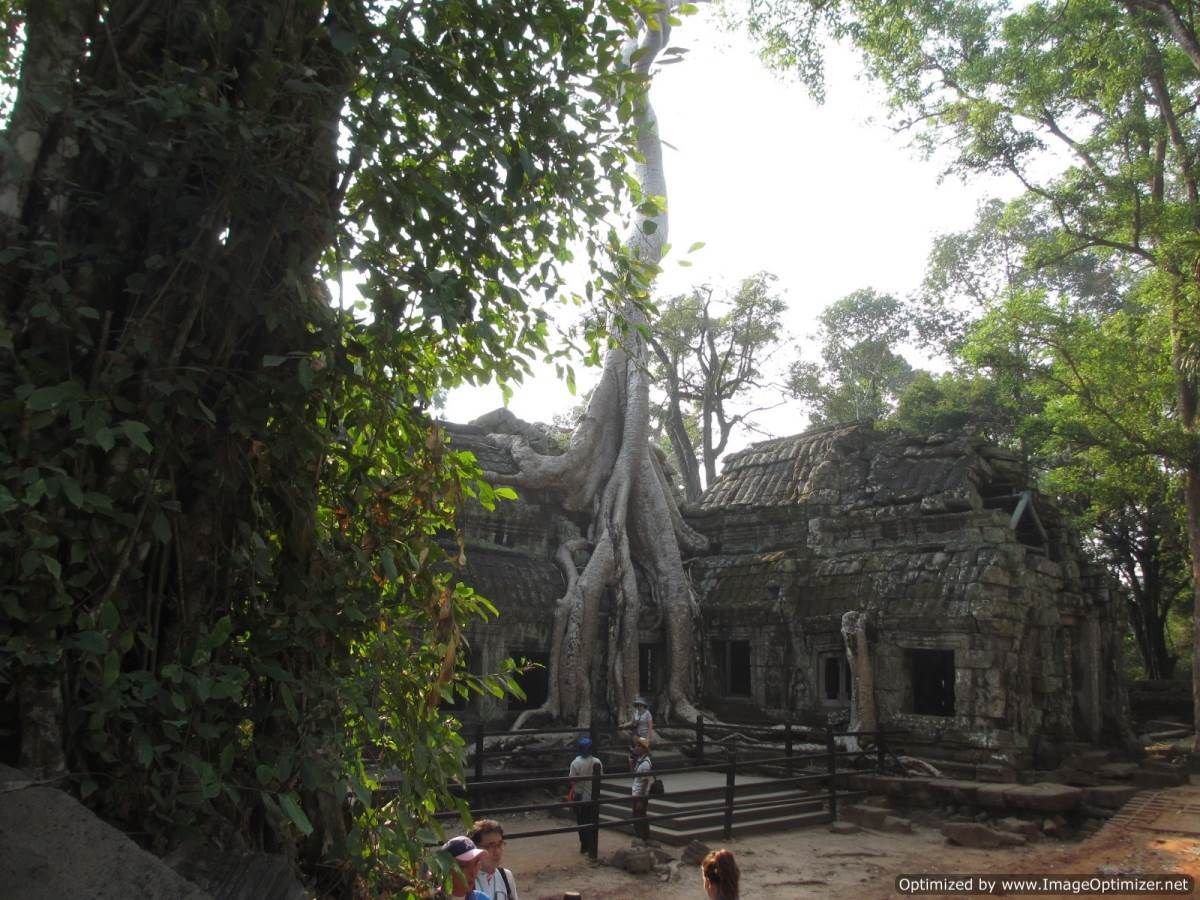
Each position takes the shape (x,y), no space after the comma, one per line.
(904,641)
(845,676)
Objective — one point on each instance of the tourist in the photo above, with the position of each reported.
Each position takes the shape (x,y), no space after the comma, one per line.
(463,850)
(641,787)
(720,872)
(493,880)
(583,767)
(642,726)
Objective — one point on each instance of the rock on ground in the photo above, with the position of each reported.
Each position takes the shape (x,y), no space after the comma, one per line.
(52,847)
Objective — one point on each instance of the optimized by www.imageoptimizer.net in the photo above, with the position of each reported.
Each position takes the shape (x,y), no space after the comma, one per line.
(1056,885)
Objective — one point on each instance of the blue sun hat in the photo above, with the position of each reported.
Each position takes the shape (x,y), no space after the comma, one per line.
(585,744)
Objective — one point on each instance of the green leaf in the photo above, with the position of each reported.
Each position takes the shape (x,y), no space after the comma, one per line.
(45,398)
(72,491)
(91,642)
(112,668)
(136,432)
(289,702)
(291,807)
(272,361)
(109,617)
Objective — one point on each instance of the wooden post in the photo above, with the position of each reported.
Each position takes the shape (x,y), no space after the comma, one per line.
(831,751)
(594,813)
(479,751)
(700,739)
(729,782)
(787,747)
(881,749)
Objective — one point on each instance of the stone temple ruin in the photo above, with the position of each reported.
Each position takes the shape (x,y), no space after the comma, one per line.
(973,620)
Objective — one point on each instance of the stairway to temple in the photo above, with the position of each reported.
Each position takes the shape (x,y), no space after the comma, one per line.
(694,802)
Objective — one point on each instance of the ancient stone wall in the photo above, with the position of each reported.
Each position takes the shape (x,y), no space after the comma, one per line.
(984,629)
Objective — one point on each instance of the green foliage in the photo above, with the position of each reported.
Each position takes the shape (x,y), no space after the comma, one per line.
(224,510)
(861,371)
(709,354)
(952,402)
(1090,106)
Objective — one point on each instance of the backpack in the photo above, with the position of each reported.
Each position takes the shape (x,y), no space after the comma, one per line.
(657,788)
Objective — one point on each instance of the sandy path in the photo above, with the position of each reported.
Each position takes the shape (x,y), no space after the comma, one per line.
(813,863)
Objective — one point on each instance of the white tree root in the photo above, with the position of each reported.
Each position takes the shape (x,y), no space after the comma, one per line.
(609,471)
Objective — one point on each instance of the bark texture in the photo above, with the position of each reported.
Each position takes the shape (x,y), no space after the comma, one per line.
(610,474)
(863,716)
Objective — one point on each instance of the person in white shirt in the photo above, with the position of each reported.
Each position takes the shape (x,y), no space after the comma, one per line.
(492,879)
(582,768)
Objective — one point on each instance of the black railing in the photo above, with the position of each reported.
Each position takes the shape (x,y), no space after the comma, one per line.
(830,754)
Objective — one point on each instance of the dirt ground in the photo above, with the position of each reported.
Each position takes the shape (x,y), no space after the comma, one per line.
(812,863)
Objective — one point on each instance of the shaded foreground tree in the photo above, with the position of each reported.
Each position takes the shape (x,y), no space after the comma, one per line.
(708,355)
(609,475)
(219,490)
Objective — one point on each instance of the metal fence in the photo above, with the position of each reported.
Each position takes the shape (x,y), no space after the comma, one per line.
(743,753)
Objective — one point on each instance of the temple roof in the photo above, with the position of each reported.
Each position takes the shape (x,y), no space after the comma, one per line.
(855,466)
(779,472)
(520,585)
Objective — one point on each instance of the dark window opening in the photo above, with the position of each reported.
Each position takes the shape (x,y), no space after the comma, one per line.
(739,668)
(932,682)
(836,684)
(732,660)
(503,536)
(535,681)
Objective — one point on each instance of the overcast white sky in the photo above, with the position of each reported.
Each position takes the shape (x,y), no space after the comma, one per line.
(822,196)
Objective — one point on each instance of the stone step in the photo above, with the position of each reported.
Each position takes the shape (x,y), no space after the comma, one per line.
(743,806)
(680,831)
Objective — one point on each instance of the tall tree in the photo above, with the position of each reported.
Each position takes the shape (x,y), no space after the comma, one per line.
(1101,434)
(609,475)
(217,487)
(861,373)
(1015,324)
(1109,86)
(708,355)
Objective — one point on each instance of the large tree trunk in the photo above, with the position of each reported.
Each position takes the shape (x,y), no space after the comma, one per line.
(1184,368)
(609,472)
(1192,494)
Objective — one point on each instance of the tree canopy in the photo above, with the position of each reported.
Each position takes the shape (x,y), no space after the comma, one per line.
(1089,106)
(709,355)
(861,373)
